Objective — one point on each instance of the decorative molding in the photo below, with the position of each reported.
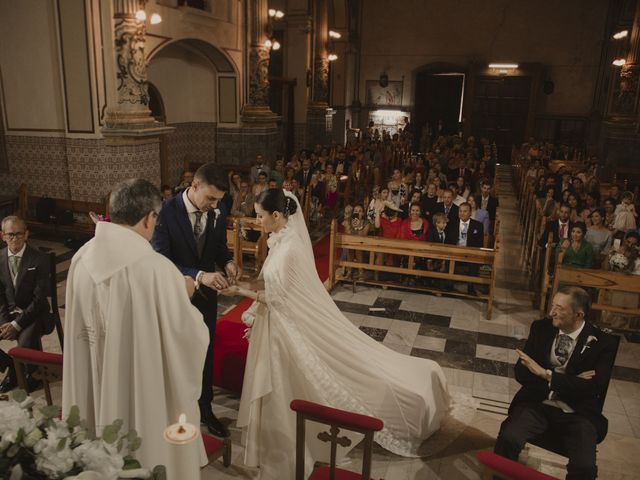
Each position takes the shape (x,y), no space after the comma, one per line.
(258,76)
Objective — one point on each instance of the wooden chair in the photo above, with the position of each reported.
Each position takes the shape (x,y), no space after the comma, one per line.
(508,469)
(337,419)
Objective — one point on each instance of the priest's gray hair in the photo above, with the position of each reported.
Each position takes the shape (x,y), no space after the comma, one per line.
(132,200)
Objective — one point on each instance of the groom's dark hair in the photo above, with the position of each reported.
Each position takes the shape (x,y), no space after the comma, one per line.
(212,174)
(131,200)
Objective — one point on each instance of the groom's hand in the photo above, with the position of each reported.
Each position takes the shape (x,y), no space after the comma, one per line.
(214,280)
(233,273)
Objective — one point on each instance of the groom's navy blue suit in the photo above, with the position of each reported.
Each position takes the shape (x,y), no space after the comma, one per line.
(174,238)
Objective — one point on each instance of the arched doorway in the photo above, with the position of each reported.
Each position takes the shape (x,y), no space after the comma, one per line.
(438,100)
(193,88)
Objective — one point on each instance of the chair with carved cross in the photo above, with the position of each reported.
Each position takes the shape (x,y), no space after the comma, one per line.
(336,419)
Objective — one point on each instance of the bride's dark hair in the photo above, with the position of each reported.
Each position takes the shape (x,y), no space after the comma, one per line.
(274,200)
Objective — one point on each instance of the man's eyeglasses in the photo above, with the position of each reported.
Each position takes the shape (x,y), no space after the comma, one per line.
(13,235)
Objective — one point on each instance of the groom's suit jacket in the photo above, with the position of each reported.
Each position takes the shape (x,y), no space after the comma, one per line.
(173,238)
(586,397)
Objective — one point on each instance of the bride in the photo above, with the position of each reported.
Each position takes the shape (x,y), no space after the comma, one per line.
(302,346)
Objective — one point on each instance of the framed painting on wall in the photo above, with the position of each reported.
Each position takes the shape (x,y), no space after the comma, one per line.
(391,95)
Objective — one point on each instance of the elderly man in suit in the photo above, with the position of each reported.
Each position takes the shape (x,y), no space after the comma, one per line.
(465,231)
(192,232)
(447,206)
(564,370)
(25,314)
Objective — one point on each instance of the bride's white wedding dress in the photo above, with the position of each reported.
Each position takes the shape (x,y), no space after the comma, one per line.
(303,347)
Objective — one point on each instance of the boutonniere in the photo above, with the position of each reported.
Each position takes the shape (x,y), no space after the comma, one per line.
(590,341)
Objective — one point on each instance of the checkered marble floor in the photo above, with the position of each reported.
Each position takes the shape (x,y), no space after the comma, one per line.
(477,356)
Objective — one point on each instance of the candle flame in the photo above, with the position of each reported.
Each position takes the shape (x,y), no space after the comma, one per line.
(182,419)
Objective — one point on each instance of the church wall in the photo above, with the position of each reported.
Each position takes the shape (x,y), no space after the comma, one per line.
(565,37)
(30,67)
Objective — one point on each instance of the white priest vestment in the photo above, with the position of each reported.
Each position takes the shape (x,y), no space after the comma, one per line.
(134,345)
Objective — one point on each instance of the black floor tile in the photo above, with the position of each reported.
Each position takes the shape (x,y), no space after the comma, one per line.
(353,307)
(499,341)
(375,333)
(460,348)
(492,367)
(390,305)
(449,360)
(424,318)
(449,333)
(626,373)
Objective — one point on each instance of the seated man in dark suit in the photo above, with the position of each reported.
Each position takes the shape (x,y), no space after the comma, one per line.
(487,201)
(25,314)
(466,232)
(447,206)
(564,370)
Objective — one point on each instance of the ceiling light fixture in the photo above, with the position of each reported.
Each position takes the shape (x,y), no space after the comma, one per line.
(504,66)
(332,57)
(619,62)
(620,34)
(334,34)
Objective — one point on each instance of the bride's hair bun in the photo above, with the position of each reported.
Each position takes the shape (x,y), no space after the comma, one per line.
(274,200)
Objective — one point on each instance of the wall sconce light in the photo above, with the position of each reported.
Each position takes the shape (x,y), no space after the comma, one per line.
(503,68)
(271,42)
(332,57)
(620,34)
(619,62)
(334,34)
(141,16)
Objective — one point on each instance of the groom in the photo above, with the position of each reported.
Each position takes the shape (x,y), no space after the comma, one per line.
(192,232)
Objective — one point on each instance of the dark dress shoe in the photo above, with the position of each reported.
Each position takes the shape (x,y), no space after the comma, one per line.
(8,384)
(214,425)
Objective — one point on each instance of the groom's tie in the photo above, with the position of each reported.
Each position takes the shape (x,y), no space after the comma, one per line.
(197,227)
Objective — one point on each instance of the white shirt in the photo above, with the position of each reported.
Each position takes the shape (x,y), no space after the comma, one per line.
(464,226)
(566,229)
(561,368)
(19,255)
(192,209)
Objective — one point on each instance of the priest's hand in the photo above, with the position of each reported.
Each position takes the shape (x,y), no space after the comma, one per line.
(8,332)
(531,364)
(214,280)
(191,285)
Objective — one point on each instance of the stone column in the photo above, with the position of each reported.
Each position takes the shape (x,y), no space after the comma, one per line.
(259,133)
(130,114)
(626,91)
(317,109)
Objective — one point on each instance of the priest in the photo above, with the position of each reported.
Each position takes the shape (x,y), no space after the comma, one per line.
(134,344)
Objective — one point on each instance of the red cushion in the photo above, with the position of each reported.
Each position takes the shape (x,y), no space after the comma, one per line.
(211,444)
(230,348)
(322,473)
(509,468)
(29,355)
(334,415)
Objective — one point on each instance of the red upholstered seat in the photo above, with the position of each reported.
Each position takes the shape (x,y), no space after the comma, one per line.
(322,473)
(230,348)
(30,355)
(508,468)
(346,419)
(216,448)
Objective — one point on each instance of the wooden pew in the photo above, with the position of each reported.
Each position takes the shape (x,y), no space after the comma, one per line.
(605,283)
(77,229)
(414,250)
(240,246)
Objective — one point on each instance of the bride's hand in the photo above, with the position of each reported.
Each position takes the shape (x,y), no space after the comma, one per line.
(231,291)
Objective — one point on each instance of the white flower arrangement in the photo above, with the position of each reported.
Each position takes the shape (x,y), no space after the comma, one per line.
(35,444)
(618,262)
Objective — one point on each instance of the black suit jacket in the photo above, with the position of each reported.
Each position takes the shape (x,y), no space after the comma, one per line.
(30,292)
(492,205)
(586,397)
(552,226)
(475,232)
(453,212)
(304,182)
(173,238)
(428,206)
(434,237)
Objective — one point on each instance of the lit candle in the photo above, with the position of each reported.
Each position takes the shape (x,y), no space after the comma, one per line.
(181,437)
